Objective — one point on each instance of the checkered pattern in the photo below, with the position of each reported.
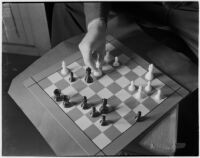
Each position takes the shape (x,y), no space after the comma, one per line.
(114,87)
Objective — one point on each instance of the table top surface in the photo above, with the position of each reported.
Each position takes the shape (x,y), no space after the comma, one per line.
(52,57)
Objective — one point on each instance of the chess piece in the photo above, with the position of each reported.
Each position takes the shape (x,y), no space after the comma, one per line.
(64,70)
(103,121)
(132,86)
(107,57)
(138,116)
(57,95)
(88,77)
(72,78)
(94,112)
(149,75)
(98,63)
(138,95)
(97,73)
(104,108)
(84,103)
(66,102)
(157,96)
(116,62)
(148,87)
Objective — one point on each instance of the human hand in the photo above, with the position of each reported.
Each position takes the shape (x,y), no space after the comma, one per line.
(93,43)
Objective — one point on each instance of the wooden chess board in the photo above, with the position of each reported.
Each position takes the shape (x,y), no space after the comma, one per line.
(86,131)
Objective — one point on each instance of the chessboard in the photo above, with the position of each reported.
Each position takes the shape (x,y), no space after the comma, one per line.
(122,127)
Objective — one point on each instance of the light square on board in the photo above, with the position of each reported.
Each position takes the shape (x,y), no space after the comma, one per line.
(104,93)
(122,109)
(92,131)
(101,141)
(70,91)
(122,125)
(55,77)
(106,80)
(74,66)
(88,92)
(139,70)
(123,69)
(122,82)
(49,90)
(123,95)
(80,72)
(83,122)
(45,83)
(141,108)
(140,82)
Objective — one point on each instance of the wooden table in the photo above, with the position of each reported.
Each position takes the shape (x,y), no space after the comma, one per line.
(150,141)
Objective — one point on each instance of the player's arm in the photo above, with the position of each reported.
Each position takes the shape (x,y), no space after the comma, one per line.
(94,40)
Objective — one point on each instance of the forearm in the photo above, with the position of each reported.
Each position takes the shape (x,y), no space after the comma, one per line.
(96,13)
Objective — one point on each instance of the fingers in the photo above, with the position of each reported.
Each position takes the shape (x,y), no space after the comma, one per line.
(87,56)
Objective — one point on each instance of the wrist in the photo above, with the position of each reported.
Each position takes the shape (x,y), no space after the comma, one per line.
(98,23)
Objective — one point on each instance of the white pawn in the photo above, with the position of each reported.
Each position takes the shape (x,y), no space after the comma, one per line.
(64,70)
(148,88)
(131,87)
(138,95)
(97,73)
(107,57)
(116,62)
(98,64)
(149,74)
(157,96)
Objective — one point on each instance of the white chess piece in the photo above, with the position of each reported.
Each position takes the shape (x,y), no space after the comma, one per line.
(148,87)
(138,95)
(64,69)
(132,86)
(97,73)
(149,75)
(157,96)
(98,64)
(116,62)
(107,57)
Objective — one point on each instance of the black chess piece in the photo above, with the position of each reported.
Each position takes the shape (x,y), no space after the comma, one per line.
(57,95)
(103,121)
(66,102)
(84,103)
(88,77)
(94,112)
(138,116)
(72,78)
(104,108)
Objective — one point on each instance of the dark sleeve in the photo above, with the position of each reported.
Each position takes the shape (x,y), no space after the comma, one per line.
(96,10)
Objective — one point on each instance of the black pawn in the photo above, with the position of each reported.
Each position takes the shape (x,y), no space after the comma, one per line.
(94,112)
(103,121)
(84,104)
(104,108)
(57,95)
(71,78)
(138,116)
(66,102)
(88,77)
